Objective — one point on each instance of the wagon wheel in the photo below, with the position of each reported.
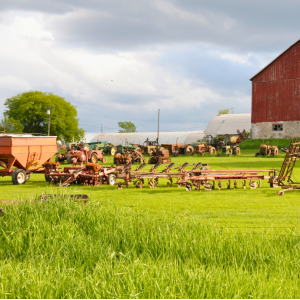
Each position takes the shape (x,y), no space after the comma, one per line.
(19,177)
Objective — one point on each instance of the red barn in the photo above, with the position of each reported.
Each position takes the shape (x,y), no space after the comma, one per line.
(276,97)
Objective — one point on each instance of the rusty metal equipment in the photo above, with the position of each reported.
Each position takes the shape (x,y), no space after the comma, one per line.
(91,174)
(285,177)
(200,175)
(129,157)
(26,153)
(205,148)
(159,155)
(266,149)
(178,148)
(81,156)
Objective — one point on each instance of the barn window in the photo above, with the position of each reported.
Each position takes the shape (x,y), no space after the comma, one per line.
(277,127)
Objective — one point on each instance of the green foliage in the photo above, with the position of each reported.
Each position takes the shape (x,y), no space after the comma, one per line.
(11,125)
(255,143)
(126,127)
(224,111)
(29,109)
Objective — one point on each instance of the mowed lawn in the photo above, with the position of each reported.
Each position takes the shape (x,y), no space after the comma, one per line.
(144,243)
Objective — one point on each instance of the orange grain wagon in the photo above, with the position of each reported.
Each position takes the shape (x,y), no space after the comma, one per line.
(26,153)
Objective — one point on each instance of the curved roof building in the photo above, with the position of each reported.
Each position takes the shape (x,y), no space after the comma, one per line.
(184,137)
(228,124)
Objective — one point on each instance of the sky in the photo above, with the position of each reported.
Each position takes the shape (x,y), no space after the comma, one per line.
(123,60)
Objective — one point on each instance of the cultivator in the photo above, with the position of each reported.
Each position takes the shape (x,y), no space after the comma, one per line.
(285,179)
(200,175)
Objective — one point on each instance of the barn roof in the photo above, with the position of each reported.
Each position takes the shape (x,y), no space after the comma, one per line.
(274,59)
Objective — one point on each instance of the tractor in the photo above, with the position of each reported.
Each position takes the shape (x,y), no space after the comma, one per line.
(159,155)
(266,149)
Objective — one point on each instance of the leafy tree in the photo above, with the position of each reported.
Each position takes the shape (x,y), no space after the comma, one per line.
(30,109)
(224,111)
(11,125)
(126,127)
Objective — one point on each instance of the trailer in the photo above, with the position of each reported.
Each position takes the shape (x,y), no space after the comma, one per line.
(21,155)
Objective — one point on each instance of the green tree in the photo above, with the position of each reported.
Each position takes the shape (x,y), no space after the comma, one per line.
(224,111)
(126,127)
(30,109)
(11,125)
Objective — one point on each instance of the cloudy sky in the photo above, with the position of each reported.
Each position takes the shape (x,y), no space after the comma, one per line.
(123,60)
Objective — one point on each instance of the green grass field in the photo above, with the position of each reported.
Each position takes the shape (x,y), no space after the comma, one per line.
(143,243)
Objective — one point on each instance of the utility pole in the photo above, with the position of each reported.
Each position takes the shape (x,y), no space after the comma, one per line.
(49,108)
(158,128)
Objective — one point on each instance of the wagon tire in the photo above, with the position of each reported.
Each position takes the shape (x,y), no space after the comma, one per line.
(19,177)
(256,154)
(56,158)
(103,160)
(276,152)
(111,179)
(69,159)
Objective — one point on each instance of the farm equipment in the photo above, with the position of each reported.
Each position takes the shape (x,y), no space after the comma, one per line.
(150,146)
(200,175)
(266,149)
(105,147)
(178,148)
(285,176)
(92,174)
(231,148)
(205,148)
(25,152)
(159,155)
(129,157)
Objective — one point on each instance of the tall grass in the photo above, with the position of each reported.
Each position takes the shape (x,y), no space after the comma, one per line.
(62,249)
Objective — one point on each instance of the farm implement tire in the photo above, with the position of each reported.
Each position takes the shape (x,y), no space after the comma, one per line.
(103,160)
(189,150)
(56,158)
(94,158)
(111,179)
(19,177)
(176,153)
(69,159)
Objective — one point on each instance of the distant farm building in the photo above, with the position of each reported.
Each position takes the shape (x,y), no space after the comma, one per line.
(228,124)
(219,125)
(276,97)
(184,137)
